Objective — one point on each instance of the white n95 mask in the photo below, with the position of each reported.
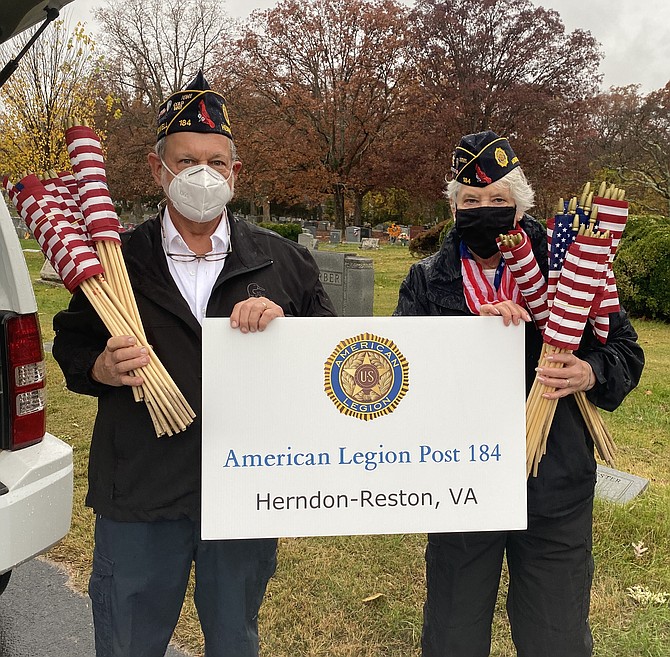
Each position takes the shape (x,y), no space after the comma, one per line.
(199,193)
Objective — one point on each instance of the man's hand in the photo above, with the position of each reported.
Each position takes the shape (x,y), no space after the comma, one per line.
(121,356)
(508,310)
(254,314)
(575,375)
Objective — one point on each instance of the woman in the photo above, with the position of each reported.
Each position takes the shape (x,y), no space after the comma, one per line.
(550,563)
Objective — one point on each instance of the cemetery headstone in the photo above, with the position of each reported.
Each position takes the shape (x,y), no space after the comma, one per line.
(617,486)
(349,280)
(48,273)
(306,239)
(352,234)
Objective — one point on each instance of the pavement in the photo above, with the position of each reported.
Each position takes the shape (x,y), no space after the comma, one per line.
(42,616)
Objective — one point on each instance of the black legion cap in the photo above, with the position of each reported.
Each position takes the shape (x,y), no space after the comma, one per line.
(482,158)
(194,109)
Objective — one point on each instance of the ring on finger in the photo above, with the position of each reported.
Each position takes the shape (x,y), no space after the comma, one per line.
(265,305)
(567,383)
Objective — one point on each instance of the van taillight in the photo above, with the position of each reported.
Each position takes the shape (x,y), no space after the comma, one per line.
(25,380)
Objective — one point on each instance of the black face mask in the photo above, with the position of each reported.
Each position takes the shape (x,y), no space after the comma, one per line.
(479,227)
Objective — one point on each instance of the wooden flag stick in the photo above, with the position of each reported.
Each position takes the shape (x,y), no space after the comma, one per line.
(117,324)
(601,436)
(539,414)
(181,405)
(118,279)
(161,423)
(121,275)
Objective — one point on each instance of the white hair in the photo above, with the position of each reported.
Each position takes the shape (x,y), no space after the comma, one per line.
(515,181)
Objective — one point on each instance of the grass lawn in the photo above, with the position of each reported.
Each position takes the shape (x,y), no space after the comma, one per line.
(318,604)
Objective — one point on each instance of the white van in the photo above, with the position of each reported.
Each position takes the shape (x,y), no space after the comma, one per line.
(35,467)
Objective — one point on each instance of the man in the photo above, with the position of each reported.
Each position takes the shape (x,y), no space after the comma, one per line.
(550,563)
(194,260)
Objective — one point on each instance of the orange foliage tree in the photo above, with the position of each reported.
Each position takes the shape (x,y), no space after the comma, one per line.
(315,96)
(507,66)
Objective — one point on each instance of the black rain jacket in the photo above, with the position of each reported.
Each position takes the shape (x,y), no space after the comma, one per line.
(567,472)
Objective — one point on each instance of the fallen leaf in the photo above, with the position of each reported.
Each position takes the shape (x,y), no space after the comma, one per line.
(374,597)
(639,548)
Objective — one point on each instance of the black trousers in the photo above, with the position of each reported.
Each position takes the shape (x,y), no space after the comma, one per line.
(550,568)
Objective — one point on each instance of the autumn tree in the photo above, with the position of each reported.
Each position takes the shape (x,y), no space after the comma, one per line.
(503,65)
(152,48)
(51,84)
(319,85)
(634,142)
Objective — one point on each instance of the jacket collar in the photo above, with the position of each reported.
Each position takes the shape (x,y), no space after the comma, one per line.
(444,281)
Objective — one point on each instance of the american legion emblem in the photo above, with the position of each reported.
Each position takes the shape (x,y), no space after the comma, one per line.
(366,376)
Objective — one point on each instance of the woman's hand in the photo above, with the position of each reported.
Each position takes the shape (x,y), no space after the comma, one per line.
(508,310)
(574,376)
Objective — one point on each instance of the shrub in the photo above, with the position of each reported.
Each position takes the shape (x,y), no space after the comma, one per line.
(642,267)
(289,231)
(428,242)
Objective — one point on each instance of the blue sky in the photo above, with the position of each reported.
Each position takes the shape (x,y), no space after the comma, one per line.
(634,34)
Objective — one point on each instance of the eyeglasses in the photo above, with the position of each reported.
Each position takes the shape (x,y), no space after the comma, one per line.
(213,256)
(191,257)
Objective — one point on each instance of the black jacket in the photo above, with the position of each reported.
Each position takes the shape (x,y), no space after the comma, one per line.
(566,477)
(133,475)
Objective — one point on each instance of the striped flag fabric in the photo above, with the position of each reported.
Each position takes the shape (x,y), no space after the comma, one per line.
(550,230)
(70,182)
(88,165)
(562,236)
(526,272)
(612,216)
(73,259)
(61,194)
(582,272)
(478,290)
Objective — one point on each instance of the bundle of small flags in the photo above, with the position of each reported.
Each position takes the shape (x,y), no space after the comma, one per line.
(74,221)
(582,238)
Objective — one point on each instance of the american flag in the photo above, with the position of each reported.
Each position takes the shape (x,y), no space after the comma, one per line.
(581,274)
(70,182)
(526,272)
(612,216)
(550,230)
(69,254)
(562,236)
(88,165)
(68,206)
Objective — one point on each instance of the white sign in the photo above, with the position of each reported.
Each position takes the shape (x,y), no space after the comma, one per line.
(362,425)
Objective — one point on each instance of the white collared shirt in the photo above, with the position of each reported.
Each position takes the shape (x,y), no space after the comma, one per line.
(195,279)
